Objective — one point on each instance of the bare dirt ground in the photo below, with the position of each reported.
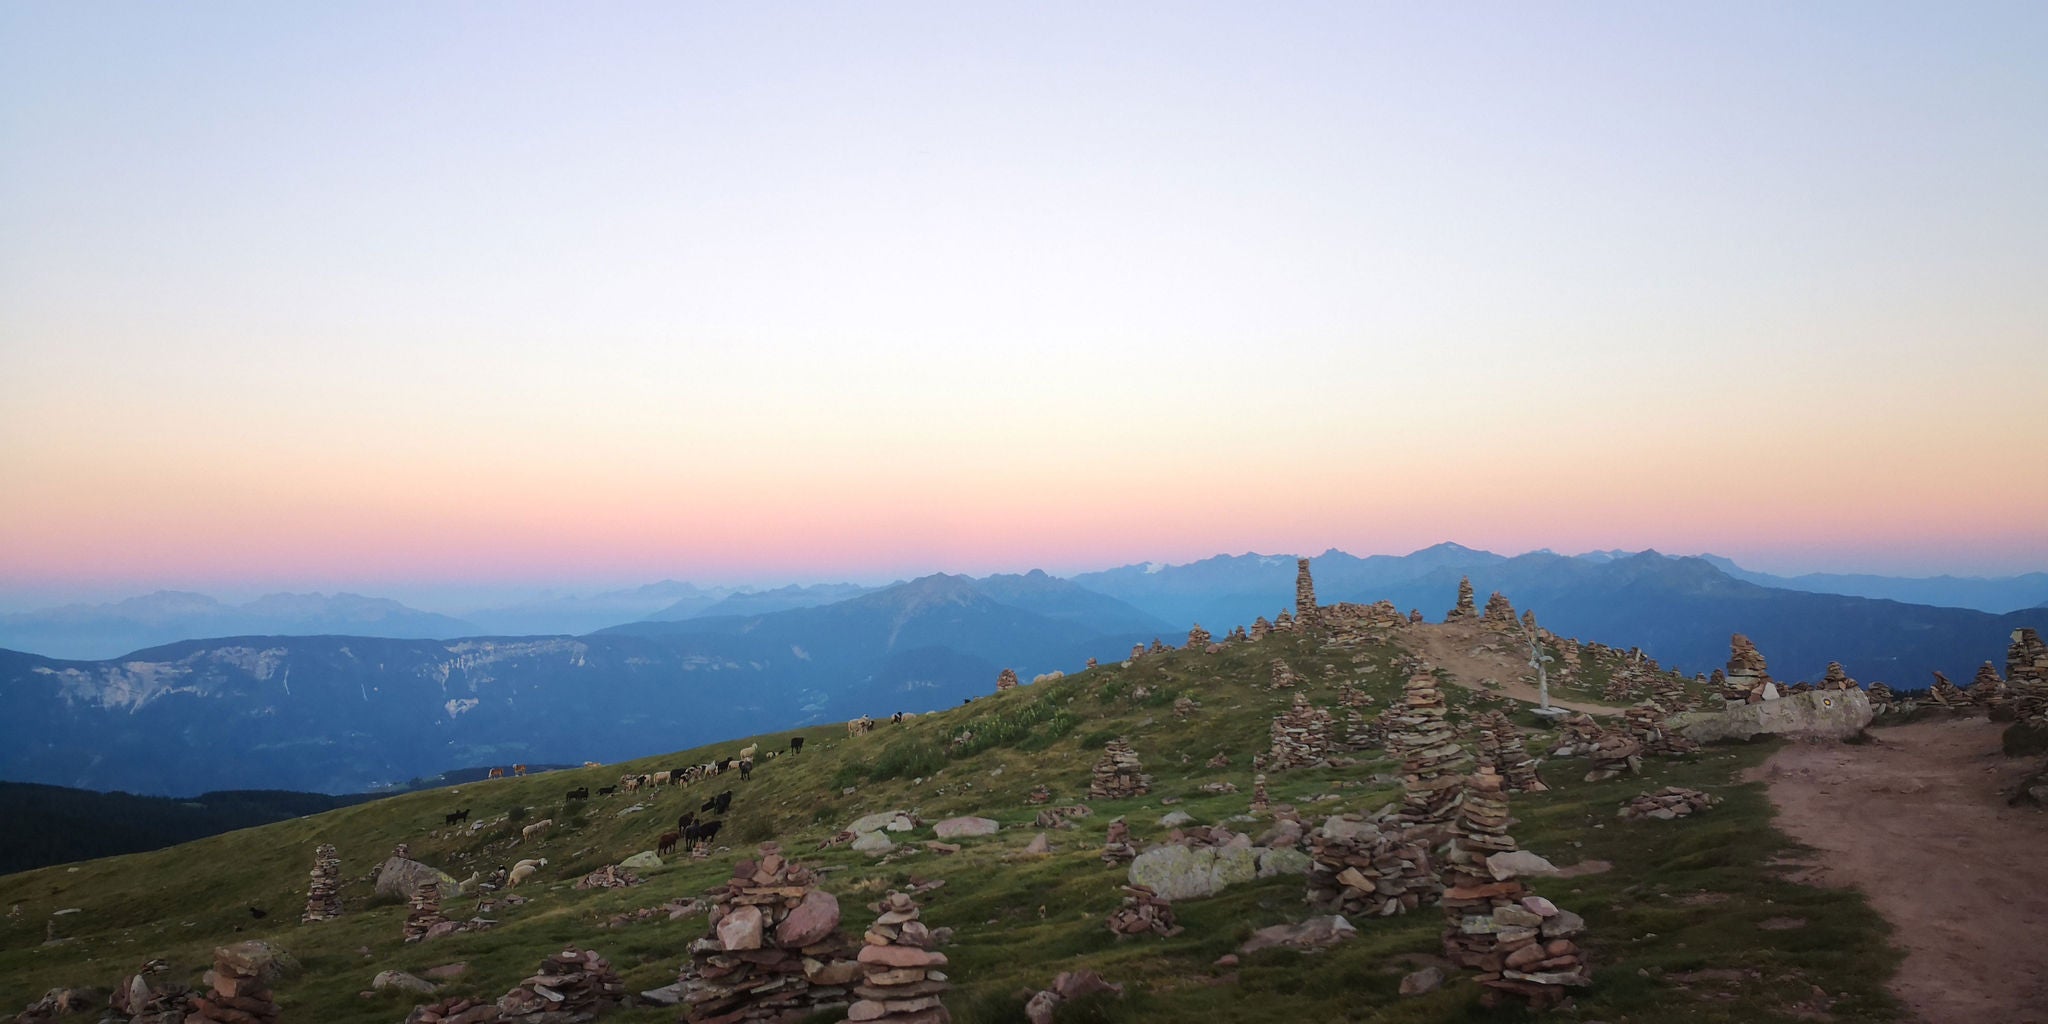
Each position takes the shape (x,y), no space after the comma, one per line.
(1916,820)
(1473,654)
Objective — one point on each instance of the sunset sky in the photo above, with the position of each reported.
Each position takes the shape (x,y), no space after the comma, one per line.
(387,296)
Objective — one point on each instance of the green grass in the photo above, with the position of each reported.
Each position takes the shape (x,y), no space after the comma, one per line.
(1682,897)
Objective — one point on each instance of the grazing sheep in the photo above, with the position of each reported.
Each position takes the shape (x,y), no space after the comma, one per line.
(860,726)
(666,844)
(660,779)
(461,815)
(535,829)
(523,871)
(796,744)
(747,752)
(629,783)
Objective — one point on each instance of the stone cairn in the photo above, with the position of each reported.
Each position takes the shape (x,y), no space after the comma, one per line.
(1836,678)
(572,985)
(1520,943)
(2026,675)
(1669,691)
(323,889)
(1881,696)
(1358,869)
(1117,847)
(1646,724)
(1144,910)
(149,1001)
(1283,677)
(1415,617)
(1301,736)
(1946,694)
(1183,706)
(1261,801)
(902,983)
(1465,609)
(1119,774)
(1007,680)
(1614,754)
(425,912)
(1260,627)
(236,993)
(1500,746)
(774,950)
(1198,638)
(1283,622)
(1304,592)
(1746,680)
(1666,804)
(1499,613)
(1431,758)
(1360,731)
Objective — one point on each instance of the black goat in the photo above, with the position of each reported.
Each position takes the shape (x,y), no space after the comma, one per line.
(796,744)
(724,802)
(689,818)
(461,815)
(607,791)
(724,763)
(579,793)
(746,770)
(703,831)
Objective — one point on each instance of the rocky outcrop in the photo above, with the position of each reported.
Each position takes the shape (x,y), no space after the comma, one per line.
(400,877)
(1821,714)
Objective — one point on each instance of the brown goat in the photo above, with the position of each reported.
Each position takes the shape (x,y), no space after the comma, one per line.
(667,843)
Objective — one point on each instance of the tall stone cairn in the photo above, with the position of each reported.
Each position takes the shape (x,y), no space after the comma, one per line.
(1836,678)
(1500,747)
(1198,638)
(1283,677)
(1465,608)
(774,951)
(1304,592)
(1499,613)
(1117,847)
(1361,732)
(2026,675)
(323,886)
(569,986)
(1518,942)
(425,910)
(1260,627)
(1358,869)
(1118,774)
(1947,694)
(1301,736)
(236,993)
(903,982)
(1007,680)
(1747,680)
(1431,759)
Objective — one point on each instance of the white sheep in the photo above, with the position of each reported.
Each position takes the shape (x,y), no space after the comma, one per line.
(535,829)
(747,753)
(524,870)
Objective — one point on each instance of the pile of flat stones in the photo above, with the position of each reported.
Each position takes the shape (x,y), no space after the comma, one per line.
(1118,774)
(774,949)
(611,876)
(2026,673)
(1989,691)
(1746,680)
(1198,638)
(571,987)
(902,982)
(1518,942)
(1304,591)
(1667,804)
(1117,847)
(1947,694)
(424,912)
(1613,755)
(1500,745)
(1301,736)
(323,887)
(1646,724)
(1283,677)
(236,992)
(1881,696)
(1359,869)
(1185,706)
(1836,678)
(1143,910)
(1465,608)
(1431,758)
(1261,800)
(1006,680)
(1499,613)
(1580,733)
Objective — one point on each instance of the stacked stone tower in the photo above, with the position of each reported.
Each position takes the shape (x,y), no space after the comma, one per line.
(1304,592)
(1465,609)
(323,888)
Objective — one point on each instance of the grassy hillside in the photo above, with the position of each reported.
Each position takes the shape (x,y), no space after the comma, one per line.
(74,824)
(1675,929)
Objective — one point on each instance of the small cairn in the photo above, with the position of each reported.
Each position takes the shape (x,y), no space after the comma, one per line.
(1580,734)
(1304,592)
(1198,638)
(1144,910)
(1185,706)
(1465,608)
(1357,869)
(1646,724)
(1118,774)
(611,876)
(1361,732)
(323,888)
(1666,804)
(1499,613)
(1260,627)
(1431,759)
(1006,680)
(1668,690)
(1520,943)
(1746,680)
(1301,736)
(1946,694)
(902,983)
(1836,678)
(774,949)
(236,992)
(139,996)
(572,985)
(1261,801)
(1283,677)
(1615,754)
(1881,696)
(1117,847)
(425,912)
(1038,795)
(1500,745)
(2026,676)
(1158,647)
(1283,622)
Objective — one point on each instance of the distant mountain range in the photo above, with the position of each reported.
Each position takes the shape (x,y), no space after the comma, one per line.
(2003,594)
(110,630)
(345,714)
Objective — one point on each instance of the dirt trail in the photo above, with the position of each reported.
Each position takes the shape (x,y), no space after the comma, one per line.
(1915,820)
(1462,650)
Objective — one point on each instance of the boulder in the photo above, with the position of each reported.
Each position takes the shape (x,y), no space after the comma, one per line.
(403,982)
(954,828)
(1175,818)
(1518,864)
(813,919)
(1828,714)
(872,842)
(1288,861)
(400,878)
(1182,872)
(642,861)
(258,959)
(872,822)
(741,928)
(1422,982)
